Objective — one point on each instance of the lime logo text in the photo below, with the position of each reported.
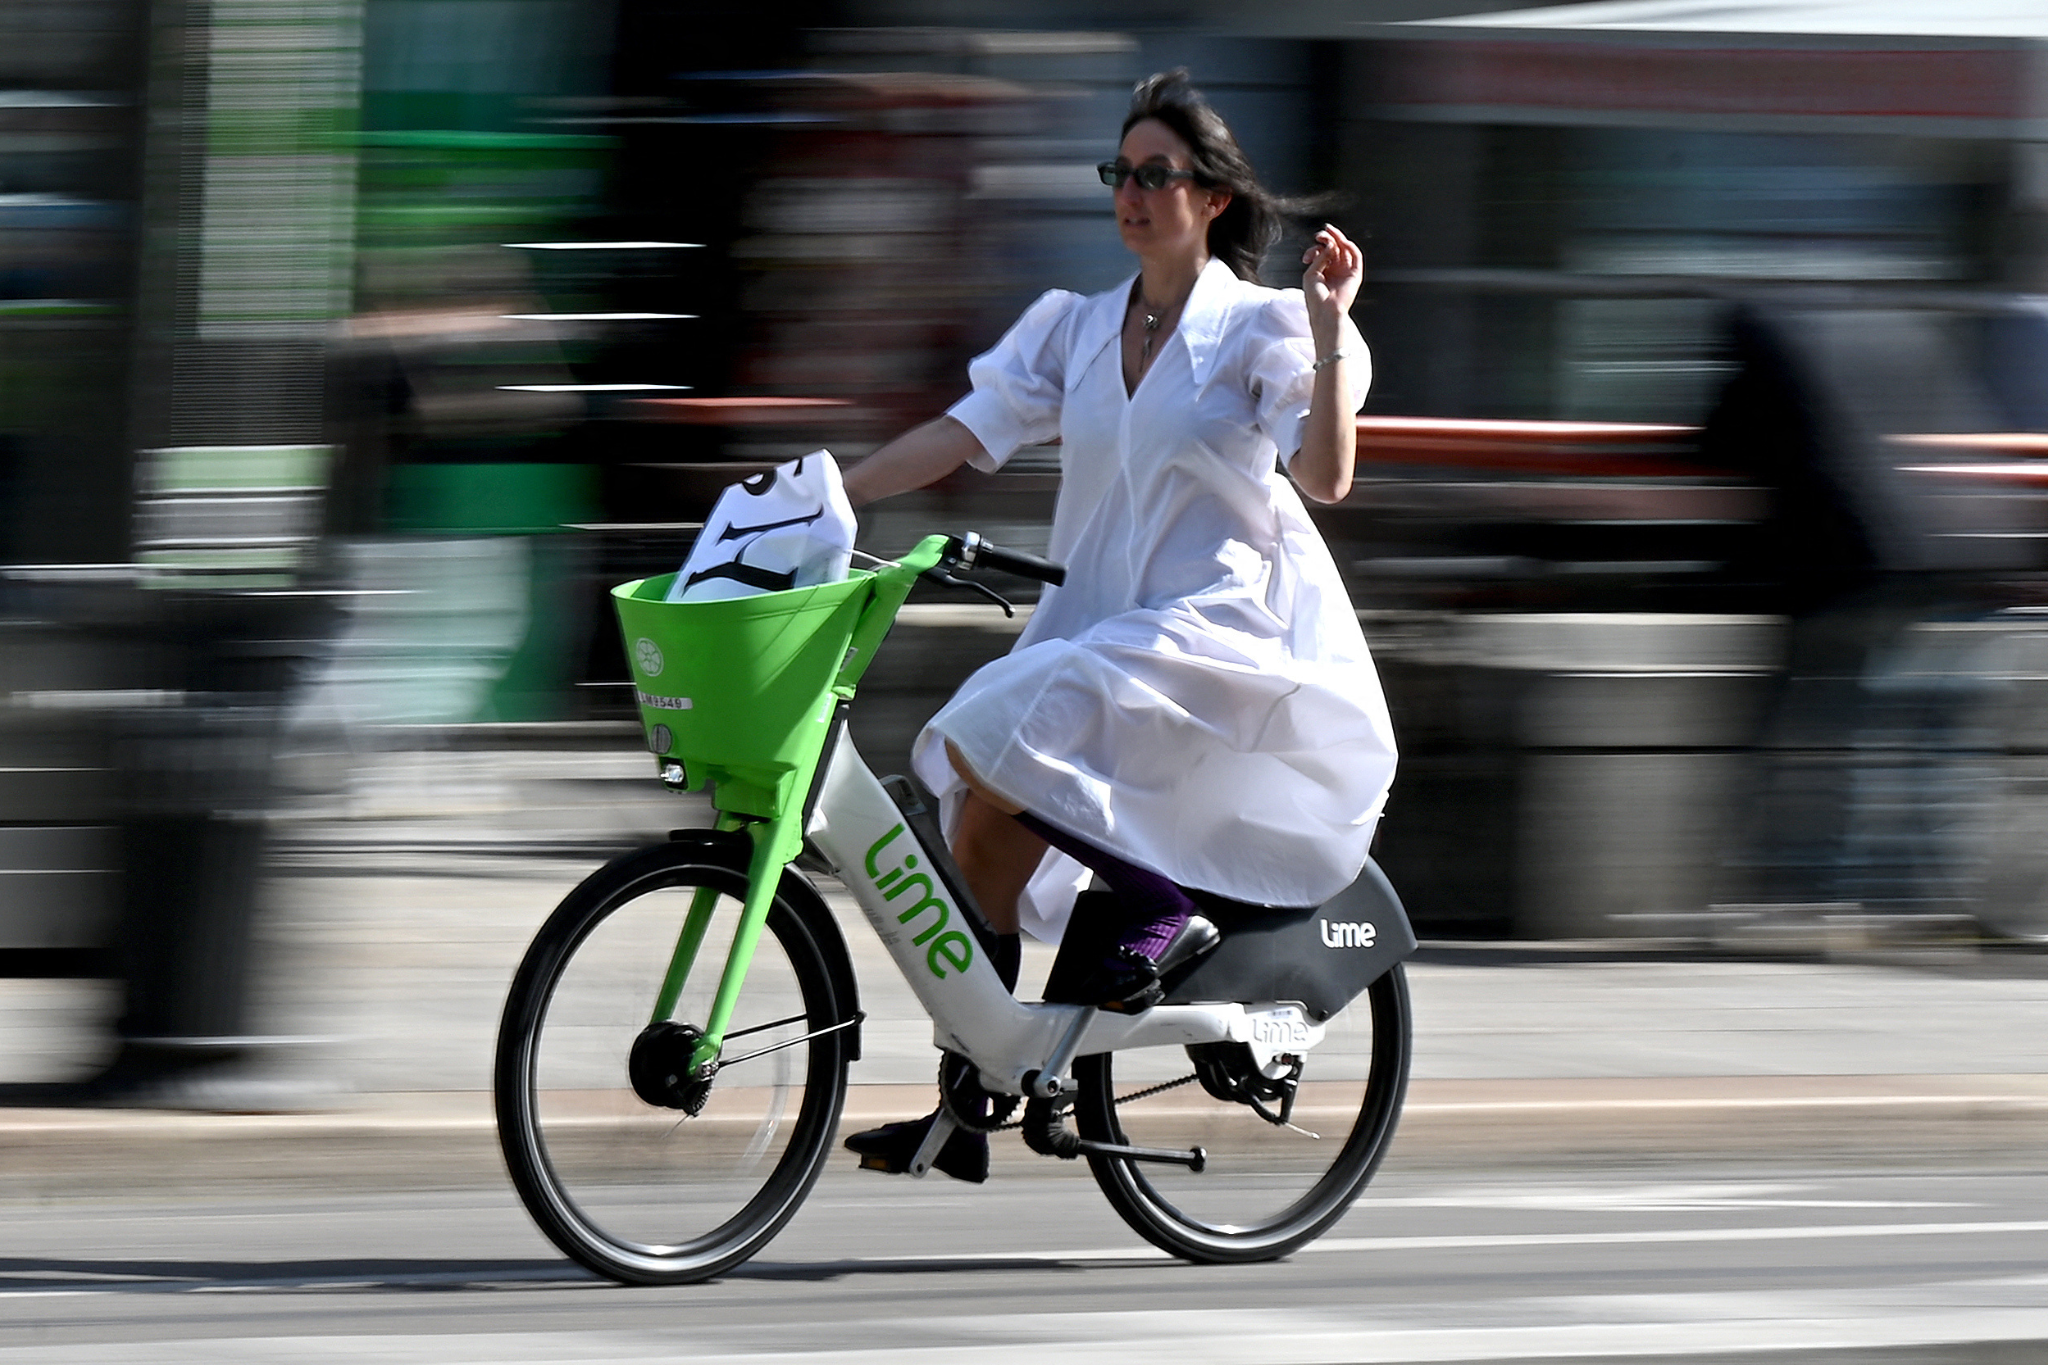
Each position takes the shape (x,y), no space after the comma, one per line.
(948,947)
(1348,935)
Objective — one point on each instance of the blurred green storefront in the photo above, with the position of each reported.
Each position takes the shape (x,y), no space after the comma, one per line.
(460,154)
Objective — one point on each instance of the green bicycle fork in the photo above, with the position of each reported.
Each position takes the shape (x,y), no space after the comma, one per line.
(695,925)
(772,840)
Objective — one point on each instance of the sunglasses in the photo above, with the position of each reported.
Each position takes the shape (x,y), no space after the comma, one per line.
(1149,177)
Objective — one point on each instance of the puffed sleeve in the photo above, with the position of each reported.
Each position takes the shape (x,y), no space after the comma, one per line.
(1281,358)
(1020,382)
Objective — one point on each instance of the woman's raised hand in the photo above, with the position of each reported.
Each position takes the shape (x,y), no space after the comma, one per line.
(1334,269)
(1323,467)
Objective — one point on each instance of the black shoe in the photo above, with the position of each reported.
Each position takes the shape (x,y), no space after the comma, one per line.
(889,1149)
(1129,981)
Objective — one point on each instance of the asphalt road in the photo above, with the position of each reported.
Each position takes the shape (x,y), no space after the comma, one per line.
(1676,1262)
(1593,1165)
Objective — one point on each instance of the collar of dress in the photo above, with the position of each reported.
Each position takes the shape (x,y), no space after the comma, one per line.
(1201,321)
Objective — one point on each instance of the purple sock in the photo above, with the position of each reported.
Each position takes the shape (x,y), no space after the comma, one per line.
(1156,907)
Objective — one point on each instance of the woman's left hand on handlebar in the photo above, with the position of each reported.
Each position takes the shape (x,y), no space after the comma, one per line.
(1334,269)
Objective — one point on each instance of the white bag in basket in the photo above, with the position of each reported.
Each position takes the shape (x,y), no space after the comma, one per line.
(791,527)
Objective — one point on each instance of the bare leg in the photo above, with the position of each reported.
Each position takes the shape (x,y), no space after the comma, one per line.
(995,853)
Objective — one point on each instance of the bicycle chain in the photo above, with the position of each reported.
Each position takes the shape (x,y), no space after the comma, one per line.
(1122,1100)
(1159,1089)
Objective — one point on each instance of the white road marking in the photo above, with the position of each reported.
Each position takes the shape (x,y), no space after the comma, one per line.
(1652,1198)
(1818,1232)
(1483,1241)
(1405,1245)
(1585,1327)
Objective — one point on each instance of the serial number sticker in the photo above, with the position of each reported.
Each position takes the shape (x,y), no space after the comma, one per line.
(664,703)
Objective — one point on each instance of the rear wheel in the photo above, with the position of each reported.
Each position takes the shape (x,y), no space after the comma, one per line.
(1266,1188)
(643,1190)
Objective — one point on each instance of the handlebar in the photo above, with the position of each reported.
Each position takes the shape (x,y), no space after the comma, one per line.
(976,553)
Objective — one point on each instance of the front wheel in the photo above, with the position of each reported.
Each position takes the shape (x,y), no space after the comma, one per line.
(1266,1188)
(648,1192)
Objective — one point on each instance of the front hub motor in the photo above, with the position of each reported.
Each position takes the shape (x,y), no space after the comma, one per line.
(660,1067)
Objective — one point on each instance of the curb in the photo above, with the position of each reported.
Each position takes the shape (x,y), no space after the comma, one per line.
(449,1140)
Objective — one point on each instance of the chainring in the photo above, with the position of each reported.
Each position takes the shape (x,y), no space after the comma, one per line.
(968,1103)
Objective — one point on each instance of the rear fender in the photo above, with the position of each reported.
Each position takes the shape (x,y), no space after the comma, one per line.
(1322,957)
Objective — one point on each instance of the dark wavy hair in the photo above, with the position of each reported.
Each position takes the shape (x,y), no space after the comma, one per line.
(1249,225)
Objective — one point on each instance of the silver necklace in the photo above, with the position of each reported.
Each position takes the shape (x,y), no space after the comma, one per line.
(1152,321)
(1154,315)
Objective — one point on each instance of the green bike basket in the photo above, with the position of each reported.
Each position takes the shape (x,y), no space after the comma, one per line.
(739,691)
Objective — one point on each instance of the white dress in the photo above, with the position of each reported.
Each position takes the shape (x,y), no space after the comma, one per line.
(1198,698)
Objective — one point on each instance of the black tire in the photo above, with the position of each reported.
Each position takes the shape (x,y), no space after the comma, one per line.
(642,1193)
(1265,1189)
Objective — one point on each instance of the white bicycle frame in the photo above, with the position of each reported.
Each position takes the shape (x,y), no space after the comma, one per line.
(1020,1049)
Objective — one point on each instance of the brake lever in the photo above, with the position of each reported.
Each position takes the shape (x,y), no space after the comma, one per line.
(946,579)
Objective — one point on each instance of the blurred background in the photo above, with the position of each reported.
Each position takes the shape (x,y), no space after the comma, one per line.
(350,350)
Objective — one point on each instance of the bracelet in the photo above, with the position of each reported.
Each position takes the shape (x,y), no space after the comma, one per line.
(1330,359)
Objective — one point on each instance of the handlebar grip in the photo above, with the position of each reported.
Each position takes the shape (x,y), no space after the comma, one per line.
(980,554)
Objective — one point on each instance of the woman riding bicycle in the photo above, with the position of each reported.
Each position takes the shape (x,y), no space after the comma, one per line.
(1196,707)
